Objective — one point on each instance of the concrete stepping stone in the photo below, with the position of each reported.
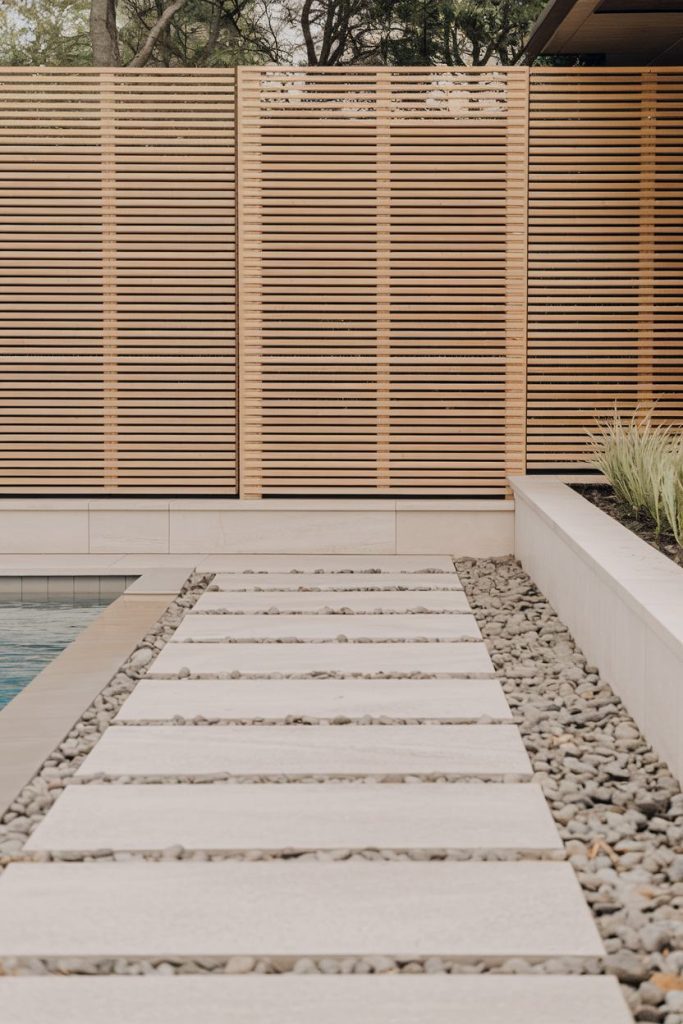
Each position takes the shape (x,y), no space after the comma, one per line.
(243,699)
(398,659)
(311,628)
(356,601)
(337,581)
(490,751)
(284,908)
(336,563)
(263,816)
(314,999)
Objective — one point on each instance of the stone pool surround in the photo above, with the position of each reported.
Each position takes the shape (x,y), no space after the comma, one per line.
(617,806)
(41,715)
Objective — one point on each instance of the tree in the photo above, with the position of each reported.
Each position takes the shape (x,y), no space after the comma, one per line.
(486,31)
(459,32)
(344,31)
(166,32)
(201,33)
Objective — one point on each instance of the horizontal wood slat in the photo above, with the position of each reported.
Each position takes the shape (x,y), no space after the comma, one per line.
(605,253)
(117,281)
(382,279)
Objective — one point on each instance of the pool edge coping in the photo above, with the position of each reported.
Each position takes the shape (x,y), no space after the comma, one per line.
(37,720)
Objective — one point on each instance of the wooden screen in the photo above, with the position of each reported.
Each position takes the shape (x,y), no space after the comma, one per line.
(117,281)
(605,253)
(382,279)
(401,232)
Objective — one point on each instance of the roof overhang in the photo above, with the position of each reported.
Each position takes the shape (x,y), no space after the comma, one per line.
(622,31)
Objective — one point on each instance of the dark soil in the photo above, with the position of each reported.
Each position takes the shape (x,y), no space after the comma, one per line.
(605,499)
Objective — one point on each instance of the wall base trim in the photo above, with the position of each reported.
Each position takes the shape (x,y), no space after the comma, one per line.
(218,526)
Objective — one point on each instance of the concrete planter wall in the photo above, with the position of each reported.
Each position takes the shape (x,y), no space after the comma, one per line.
(621,599)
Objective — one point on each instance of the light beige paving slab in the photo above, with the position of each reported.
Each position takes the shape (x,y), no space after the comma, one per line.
(292,999)
(449,699)
(336,563)
(356,602)
(337,581)
(404,909)
(280,816)
(449,659)
(305,628)
(482,750)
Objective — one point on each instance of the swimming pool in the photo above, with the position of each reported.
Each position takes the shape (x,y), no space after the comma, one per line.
(33,632)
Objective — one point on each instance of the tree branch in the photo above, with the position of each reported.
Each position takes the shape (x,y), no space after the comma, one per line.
(145,52)
(306,29)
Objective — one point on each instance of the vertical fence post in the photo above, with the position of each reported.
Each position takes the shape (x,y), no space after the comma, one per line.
(107,84)
(249,278)
(516,266)
(383,281)
(646,238)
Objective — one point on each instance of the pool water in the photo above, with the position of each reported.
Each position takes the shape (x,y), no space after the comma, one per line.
(32,633)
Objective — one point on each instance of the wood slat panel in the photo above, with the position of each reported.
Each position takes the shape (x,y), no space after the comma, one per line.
(605,253)
(401,232)
(382,279)
(117,281)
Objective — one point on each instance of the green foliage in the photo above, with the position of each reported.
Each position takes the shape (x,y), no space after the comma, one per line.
(204,33)
(221,33)
(458,32)
(644,465)
(672,493)
(53,32)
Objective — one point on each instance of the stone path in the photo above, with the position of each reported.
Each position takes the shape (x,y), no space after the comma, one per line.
(288,999)
(344,705)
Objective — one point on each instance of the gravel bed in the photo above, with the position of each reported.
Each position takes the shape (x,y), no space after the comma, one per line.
(324,590)
(185,673)
(617,806)
(219,777)
(298,965)
(341,639)
(200,720)
(321,572)
(351,855)
(326,610)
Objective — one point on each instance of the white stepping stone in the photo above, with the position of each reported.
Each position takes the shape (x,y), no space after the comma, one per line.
(450,699)
(281,908)
(314,999)
(358,602)
(464,816)
(336,563)
(311,628)
(398,659)
(483,750)
(338,581)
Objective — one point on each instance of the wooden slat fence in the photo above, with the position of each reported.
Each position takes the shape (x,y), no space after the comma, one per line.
(605,252)
(117,281)
(444,274)
(382,279)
